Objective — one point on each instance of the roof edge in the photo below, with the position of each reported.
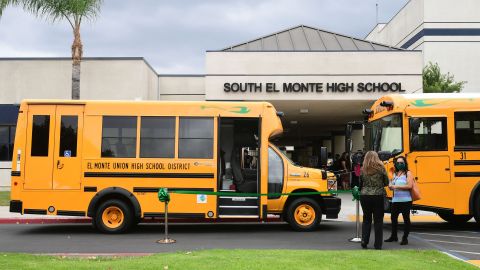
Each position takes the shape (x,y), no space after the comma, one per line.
(106,58)
(230,48)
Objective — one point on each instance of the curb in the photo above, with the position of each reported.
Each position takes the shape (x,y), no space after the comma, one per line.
(43,220)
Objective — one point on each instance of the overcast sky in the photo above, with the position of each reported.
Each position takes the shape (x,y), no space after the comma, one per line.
(174,35)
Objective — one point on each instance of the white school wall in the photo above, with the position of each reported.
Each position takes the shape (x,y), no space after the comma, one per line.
(457,54)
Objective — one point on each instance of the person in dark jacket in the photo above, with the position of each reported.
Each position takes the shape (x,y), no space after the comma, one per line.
(373,180)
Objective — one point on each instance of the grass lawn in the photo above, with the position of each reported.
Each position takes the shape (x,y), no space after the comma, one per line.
(247,259)
(4,198)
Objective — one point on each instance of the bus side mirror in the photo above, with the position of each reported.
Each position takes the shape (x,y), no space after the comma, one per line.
(323,156)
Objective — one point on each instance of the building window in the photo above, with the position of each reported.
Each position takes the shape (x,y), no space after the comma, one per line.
(195,138)
(40,135)
(7,136)
(68,136)
(467,129)
(428,134)
(119,136)
(157,137)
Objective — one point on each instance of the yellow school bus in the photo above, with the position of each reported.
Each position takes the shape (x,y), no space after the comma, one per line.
(108,159)
(440,136)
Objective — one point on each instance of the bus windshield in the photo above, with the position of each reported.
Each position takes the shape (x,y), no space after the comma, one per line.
(386,134)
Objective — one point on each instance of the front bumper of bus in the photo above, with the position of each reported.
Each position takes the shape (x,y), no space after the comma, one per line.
(332,206)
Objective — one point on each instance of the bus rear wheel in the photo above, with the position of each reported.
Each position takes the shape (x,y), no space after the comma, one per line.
(454,219)
(113,216)
(304,214)
(476,209)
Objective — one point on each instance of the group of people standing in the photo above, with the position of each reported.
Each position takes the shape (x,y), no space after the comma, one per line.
(348,169)
(373,180)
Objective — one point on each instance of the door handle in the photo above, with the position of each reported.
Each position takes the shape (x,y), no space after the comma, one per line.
(447,169)
(59,165)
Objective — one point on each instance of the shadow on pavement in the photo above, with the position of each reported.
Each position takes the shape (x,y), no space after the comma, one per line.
(190,228)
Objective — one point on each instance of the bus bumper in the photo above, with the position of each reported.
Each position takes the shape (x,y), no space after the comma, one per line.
(16,206)
(332,206)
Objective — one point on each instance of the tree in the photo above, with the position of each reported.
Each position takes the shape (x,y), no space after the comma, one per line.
(73,11)
(436,82)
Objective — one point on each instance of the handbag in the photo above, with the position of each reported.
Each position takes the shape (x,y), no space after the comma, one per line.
(415,192)
(386,204)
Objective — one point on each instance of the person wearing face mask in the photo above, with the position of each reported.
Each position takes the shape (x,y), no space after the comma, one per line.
(401,185)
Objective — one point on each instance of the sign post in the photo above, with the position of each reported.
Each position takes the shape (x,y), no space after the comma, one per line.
(163,196)
(356,197)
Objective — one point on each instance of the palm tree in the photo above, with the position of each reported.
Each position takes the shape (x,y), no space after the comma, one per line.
(74,11)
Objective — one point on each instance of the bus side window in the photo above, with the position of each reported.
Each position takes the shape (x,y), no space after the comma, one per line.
(196,137)
(467,129)
(119,136)
(428,134)
(157,137)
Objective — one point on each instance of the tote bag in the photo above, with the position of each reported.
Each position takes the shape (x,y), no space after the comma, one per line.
(415,192)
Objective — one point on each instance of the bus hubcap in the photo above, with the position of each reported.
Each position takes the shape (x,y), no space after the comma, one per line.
(304,214)
(112,217)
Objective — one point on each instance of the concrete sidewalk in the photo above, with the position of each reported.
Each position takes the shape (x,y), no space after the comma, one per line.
(15,218)
(348,212)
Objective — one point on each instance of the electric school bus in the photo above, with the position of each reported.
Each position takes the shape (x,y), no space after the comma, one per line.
(108,159)
(440,136)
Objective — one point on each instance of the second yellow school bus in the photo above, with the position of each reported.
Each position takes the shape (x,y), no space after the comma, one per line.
(439,134)
(108,159)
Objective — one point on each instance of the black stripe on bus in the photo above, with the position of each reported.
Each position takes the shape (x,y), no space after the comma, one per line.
(35,211)
(155,189)
(90,189)
(71,213)
(466,148)
(467,174)
(173,215)
(16,173)
(148,175)
(466,162)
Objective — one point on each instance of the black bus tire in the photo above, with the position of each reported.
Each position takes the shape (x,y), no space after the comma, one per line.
(113,216)
(304,214)
(476,208)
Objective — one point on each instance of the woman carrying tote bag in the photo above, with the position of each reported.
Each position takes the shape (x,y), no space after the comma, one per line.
(402,184)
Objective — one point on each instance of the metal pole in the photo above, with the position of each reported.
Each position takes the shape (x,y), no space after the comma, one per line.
(357,238)
(166,240)
(166,220)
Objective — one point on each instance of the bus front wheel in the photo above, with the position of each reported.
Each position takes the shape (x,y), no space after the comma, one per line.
(113,216)
(454,219)
(304,214)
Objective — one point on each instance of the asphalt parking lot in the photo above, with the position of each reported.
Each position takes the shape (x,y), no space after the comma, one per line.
(82,238)
(462,241)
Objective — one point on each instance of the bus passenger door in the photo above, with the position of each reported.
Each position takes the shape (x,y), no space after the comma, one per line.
(68,144)
(429,160)
(39,147)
